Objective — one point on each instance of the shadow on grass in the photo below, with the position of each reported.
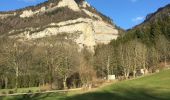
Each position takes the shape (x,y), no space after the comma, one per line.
(46,96)
(132,94)
(121,94)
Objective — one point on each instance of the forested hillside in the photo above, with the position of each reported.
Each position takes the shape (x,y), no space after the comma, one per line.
(145,46)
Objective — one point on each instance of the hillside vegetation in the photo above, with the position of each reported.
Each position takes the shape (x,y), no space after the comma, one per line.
(58,63)
(152,87)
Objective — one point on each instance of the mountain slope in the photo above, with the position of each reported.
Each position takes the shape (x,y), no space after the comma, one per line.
(154,25)
(56,17)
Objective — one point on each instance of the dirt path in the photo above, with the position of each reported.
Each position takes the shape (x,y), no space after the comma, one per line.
(53,91)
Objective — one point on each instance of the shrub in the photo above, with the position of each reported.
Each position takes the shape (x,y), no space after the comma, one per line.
(3,92)
(30,91)
(10,92)
(37,91)
(47,87)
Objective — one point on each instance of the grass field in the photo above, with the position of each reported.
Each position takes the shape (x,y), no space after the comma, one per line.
(153,87)
(20,90)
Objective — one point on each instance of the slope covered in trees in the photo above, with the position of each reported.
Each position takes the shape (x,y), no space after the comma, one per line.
(142,47)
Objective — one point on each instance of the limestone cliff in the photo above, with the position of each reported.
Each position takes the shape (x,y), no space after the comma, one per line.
(56,17)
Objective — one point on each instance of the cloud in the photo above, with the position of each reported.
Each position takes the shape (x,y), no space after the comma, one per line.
(137,19)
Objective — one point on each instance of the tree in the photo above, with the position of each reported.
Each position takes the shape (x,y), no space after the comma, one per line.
(152,59)
(162,46)
(104,60)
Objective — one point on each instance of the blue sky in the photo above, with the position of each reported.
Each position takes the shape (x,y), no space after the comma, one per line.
(125,13)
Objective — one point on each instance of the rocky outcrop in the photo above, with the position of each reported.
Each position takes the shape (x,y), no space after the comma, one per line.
(70,4)
(90,32)
(63,3)
(3,16)
(27,13)
(90,28)
(91,14)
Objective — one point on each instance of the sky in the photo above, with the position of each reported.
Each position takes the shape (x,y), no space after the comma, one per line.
(125,13)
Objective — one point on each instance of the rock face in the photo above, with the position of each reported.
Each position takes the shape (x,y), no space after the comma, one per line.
(70,4)
(92,27)
(3,16)
(27,13)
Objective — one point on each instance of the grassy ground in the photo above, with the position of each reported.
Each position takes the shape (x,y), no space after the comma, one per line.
(153,87)
(20,90)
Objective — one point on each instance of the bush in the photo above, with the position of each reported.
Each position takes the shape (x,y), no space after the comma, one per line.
(3,92)
(37,91)
(47,87)
(30,91)
(11,92)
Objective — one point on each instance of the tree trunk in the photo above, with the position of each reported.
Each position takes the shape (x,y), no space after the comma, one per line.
(126,74)
(16,80)
(64,83)
(134,73)
(135,65)
(144,68)
(165,61)
(43,82)
(108,67)
(6,82)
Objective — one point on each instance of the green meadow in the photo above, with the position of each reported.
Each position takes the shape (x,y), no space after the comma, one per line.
(152,87)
